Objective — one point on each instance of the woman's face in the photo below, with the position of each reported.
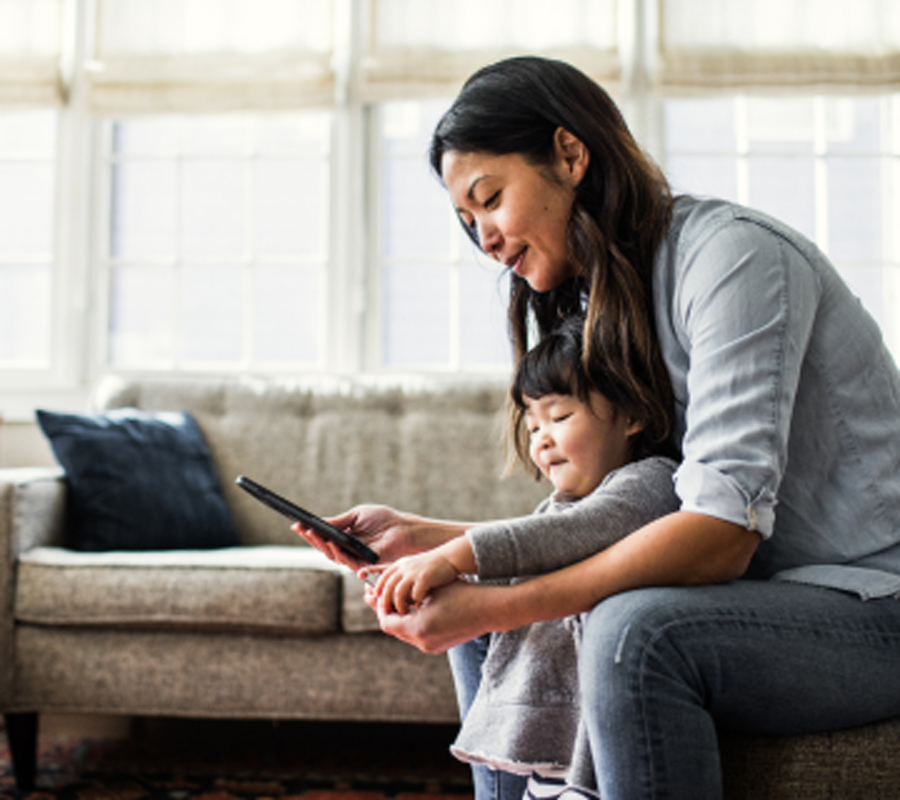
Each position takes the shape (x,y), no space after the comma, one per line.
(519,211)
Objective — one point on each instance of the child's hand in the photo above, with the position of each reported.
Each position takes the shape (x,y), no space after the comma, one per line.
(404,584)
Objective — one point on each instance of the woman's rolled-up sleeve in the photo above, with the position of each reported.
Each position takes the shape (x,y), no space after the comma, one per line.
(743,307)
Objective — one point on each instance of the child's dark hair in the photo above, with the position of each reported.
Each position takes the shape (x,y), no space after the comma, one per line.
(555,366)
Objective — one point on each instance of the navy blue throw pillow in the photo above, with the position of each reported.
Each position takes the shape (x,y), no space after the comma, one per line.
(138,481)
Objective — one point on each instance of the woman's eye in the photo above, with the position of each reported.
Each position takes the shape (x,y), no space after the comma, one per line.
(492,200)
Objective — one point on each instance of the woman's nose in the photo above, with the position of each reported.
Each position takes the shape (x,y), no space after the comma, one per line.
(490,238)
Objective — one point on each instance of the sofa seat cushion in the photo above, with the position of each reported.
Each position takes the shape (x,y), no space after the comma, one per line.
(273,589)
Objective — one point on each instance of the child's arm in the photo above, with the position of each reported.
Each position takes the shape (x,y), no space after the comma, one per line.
(627,499)
(406,583)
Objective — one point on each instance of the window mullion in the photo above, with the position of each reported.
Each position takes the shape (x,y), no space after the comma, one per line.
(820,175)
(76,283)
(345,280)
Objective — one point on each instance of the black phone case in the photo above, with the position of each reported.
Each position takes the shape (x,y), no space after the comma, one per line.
(349,544)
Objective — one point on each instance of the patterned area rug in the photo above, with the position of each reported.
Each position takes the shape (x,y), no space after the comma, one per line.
(223,760)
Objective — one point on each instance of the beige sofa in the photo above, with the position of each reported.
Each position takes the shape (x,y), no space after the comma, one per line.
(268,630)
(271,629)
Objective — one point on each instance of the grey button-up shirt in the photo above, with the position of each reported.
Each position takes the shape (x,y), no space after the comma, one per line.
(788,401)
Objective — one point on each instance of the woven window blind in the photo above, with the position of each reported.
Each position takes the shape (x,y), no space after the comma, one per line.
(209,56)
(771,45)
(427,48)
(30,41)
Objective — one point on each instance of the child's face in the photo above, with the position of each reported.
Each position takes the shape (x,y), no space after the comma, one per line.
(575,444)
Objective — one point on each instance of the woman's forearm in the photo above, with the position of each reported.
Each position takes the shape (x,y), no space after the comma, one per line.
(679,549)
(426,534)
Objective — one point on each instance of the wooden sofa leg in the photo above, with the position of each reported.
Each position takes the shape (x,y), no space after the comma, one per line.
(21,735)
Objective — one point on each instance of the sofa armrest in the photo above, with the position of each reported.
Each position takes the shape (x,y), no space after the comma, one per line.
(32,509)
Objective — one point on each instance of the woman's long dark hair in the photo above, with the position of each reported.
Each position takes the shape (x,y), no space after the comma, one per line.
(621,213)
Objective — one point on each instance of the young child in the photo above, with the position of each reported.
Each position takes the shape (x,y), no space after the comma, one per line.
(609,479)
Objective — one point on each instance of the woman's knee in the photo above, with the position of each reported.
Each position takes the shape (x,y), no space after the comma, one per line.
(628,635)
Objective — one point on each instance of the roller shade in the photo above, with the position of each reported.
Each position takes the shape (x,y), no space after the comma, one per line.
(427,48)
(208,56)
(30,42)
(772,45)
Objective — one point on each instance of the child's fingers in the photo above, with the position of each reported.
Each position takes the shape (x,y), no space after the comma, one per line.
(392,600)
(369,574)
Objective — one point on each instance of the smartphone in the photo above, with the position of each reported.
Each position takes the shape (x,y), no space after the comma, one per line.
(349,544)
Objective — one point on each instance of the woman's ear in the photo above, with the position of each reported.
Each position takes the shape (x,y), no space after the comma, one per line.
(572,156)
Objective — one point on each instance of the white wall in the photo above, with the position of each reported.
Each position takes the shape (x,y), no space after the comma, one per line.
(23,445)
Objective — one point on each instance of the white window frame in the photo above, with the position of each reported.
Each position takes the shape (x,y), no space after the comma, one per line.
(353,318)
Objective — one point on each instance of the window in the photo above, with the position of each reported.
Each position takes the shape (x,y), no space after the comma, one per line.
(27,199)
(443,301)
(237,186)
(218,241)
(826,165)
(792,107)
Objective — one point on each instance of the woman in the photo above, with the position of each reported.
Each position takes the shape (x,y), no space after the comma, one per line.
(786,408)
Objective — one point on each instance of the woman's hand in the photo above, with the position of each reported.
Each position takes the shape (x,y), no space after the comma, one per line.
(392,534)
(449,616)
(386,531)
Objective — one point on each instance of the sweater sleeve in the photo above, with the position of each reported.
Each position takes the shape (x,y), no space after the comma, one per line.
(627,499)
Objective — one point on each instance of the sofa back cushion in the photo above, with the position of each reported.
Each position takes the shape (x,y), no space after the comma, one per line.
(431,449)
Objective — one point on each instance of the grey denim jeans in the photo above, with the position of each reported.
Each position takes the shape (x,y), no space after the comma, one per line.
(660,669)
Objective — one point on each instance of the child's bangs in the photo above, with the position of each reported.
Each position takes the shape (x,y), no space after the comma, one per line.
(553,367)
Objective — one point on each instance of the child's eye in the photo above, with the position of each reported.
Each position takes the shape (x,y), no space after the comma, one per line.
(562,417)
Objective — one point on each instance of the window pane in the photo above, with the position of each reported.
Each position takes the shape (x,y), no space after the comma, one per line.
(288,302)
(24,314)
(210,314)
(713,176)
(144,210)
(854,208)
(416,314)
(825,165)
(444,302)
(484,290)
(407,125)
(241,234)
(291,209)
(417,216)
(212,209)
(27,201)
(780,124)
(28,134)
(868,284)
(783,187)
(26,208)
(142,311)
(292,133)
(695,125)
(153,137)
(853,124)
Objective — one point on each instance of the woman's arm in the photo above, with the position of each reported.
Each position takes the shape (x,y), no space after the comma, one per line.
(390,533)
(683,548)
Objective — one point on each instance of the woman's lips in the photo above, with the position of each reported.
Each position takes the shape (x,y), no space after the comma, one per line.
(516,262)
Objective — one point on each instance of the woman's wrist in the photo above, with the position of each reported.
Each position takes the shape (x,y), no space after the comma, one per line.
(425,534)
